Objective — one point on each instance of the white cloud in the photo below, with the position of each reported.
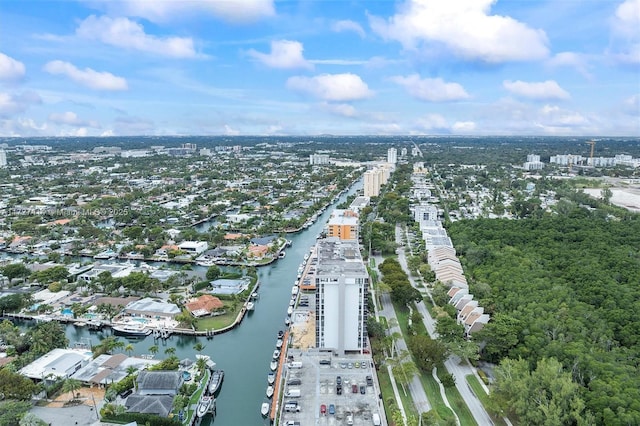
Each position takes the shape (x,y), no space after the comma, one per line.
(537,90)
(17,103)
(573,60)
(348,25)
(465,28)
(130,125)
(10,69)
(463,127)
(71,118)
(285,54)
(344,110)
(229,131)
(331,87)
(89,78)
(431,89)
(554,116)
(626,37)
(626,20)
(127,34)
(164,11)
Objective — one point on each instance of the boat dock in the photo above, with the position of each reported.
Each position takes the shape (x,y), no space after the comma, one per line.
(276,385)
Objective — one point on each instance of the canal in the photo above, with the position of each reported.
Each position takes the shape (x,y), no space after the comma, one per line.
(245,352)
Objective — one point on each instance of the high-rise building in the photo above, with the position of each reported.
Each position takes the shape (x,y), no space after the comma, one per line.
(341,296)
(372,183)
(392,155)
(3,158)
(343,224)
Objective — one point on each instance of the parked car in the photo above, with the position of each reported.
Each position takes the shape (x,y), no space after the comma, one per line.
(323,409)
(363,389)
(354,388)
(338,380)
(339,389)
(325,362)
(369,381)
(332,409)
(294,382)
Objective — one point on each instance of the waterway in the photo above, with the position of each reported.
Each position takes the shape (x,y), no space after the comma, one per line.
(245,352)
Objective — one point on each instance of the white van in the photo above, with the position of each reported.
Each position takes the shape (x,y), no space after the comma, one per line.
(291,407)
(376,419)
(293,393)
(295,364)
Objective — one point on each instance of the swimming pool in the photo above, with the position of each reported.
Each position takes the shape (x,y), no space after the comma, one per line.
(140,320)
(67,311)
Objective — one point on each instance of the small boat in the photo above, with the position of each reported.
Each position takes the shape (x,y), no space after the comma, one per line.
(273,365)
(131,329)
(276,354)
(254,295)
(216,382)
(107,254)
(289,310)
(279,343)
(280,334)
(250,306)
(269,391)
(204,405)
(264,410)
(271,378)
(282,254)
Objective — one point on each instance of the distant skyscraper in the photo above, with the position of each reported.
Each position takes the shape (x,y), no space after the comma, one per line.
(341,296)
(392,155)
(3,158)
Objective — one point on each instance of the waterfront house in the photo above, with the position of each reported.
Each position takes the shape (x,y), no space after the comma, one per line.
(152,308)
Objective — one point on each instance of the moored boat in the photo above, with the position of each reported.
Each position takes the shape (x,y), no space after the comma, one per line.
(204,406)
(269,391)
(216,382)
(271,378)
(264,409)
(250,306)
(131,329)
(279,343)
(276,354)
(273,365)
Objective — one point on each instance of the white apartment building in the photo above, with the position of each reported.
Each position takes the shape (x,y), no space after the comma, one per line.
(341,296)
(392,155)
(372,183)
(425,213)
(318,159)
(3,158)
(533,163)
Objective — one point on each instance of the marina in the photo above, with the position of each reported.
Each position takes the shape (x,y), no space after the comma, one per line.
(244,352)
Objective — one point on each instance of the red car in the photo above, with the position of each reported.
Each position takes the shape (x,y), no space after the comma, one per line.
(323,410)
(354,388)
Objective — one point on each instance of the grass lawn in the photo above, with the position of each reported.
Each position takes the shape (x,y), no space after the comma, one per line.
(219,321)
(432,390)
(477,388)
(458,404)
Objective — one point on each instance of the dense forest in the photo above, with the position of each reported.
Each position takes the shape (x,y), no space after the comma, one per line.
(561,288)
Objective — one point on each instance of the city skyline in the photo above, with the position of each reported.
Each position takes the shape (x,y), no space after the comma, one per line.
(483,67)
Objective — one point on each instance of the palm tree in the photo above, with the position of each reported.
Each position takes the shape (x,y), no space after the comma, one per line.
(71,385)
(128,349)
(153,349)
(170,351)
(131,370)
(198,347)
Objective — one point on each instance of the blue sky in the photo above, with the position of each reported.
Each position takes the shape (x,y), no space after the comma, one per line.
(265,67)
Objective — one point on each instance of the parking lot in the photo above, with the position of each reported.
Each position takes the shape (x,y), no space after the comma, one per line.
(316,397)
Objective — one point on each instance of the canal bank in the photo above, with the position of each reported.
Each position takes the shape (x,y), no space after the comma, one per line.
(245,352)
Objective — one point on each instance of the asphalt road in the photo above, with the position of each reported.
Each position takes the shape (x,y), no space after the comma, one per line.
(459,371)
